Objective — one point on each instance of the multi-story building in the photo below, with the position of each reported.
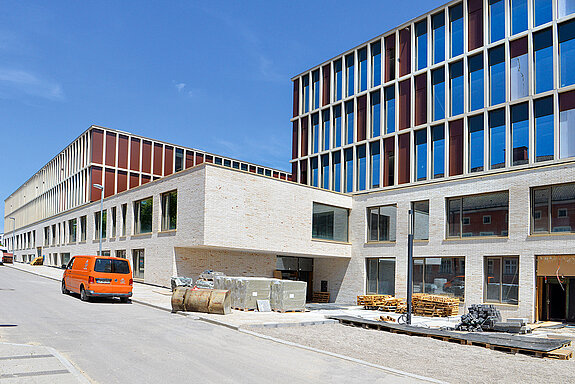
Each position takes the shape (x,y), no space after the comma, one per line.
(458,125)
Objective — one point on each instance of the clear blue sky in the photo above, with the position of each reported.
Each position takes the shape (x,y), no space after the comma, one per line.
(210,75)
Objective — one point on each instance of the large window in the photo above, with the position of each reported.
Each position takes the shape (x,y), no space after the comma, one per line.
(456,30)
(336,171)
(476,143)
(502,280)
(438,35)
(382,223)
(337,79)
(380,276)
(421,44)
(169,210)
(390,109)
(567,125)
(518,16)
(543,60)
(519,74)
(420,220)
(83,228)
(143,216)
(567,53)
(314,172)
(325,172)
(138,263)
(348,170)
(543,12)
(478,215)
(497,139)
(362,58)
(544,129)
(376,64)
(329,223)
(421,154)
(361,168)
(476,83)
(97,225)
(553,209)
(337,126)
(124,210)
(326,130)
(349,75)
(315,89)
(375,115)
(72,229)
(179,160)
(305,93)
(349,122)
(315,141)
(566,7)
(439,276)
(497,75)
(438,151)
(375,164)
(520,133)
(496,20)
(438,93)
(113,214)
(456,88)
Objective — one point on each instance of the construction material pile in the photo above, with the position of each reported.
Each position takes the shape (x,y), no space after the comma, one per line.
(288,295)
(386,303)
(423,304)
(481,317)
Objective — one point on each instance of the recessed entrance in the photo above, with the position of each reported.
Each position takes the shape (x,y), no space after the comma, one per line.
(556,288)
(296,268)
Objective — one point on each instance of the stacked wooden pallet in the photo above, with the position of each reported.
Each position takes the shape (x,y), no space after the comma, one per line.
(434,305)
(386,303)
(320,297)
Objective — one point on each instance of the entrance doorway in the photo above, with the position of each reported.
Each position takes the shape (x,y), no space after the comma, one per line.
(554,300)
(296,268)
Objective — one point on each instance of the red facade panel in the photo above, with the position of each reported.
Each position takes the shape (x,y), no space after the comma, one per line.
(199,158)
(134,180)
(209,159)
(123,151)
(147,156)
(326,70)
(158,152)
(361,117)
(95,178)
(189,159)
(146,179)
(168,160)
(110,183)
(404,104)
(304,136)
(390,57)
(456,147)
(122,182)
(97,146)
(111,149)
(134,154)
(294,140)
(404,51)
(294,171)
(421,99)
(389,162)
(296,97)
(475,35)
(403,159)
(303,171)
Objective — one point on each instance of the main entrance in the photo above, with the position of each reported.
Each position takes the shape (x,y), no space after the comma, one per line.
(556,288)
(296,268)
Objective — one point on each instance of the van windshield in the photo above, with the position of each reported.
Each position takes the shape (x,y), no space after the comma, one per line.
(111,266)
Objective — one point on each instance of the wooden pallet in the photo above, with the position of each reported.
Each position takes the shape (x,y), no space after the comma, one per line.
(244,309)
(289,310)
(320,297)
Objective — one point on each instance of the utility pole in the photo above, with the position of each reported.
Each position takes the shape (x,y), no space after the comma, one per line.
(13,236)
(98,186)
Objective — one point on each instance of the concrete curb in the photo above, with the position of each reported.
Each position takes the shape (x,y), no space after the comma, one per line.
(332,354)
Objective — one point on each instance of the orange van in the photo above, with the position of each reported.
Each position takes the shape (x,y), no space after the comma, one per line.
(98,276)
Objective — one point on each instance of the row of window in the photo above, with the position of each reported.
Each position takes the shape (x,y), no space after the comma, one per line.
(446,276)
(355,72)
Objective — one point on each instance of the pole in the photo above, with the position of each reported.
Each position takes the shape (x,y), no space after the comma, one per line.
(409,267)
(13,235)
(101,217)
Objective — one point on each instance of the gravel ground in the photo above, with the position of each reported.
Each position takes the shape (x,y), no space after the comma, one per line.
(437,359)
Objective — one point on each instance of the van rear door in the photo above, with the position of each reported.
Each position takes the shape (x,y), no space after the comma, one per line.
(113,274)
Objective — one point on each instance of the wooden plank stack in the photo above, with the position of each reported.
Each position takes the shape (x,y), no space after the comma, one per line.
(423,304)
(320,297)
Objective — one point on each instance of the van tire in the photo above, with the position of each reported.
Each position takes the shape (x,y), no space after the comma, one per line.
(64,289)
(83,295)
(124,300)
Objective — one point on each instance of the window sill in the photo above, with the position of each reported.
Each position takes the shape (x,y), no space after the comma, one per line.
(142,234)
(514,306)
(331,241)
(379,242)
(98,240)
(122,238)
(421,241)
(477,238)
(551,234)
(168,231)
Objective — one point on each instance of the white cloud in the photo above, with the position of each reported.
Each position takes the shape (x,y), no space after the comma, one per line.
(180,86)
(14,83)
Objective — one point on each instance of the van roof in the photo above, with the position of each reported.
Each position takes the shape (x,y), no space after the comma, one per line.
(101,257)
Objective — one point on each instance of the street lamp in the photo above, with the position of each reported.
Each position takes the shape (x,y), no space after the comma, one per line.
(13,236)
(409,267)
(98,186)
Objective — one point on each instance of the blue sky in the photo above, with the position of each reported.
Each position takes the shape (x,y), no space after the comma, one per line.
(208,75)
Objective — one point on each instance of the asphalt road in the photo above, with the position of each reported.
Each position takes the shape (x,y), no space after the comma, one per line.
(110,342)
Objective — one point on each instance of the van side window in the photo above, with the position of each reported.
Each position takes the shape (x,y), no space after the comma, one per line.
(70,263)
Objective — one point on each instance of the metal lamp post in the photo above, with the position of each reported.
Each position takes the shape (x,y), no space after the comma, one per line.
(98,186)
(409,267)
(13,234)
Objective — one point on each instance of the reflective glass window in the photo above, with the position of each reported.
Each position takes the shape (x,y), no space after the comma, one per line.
(519,77)
(421,154)
(502,280)
(375,64)
(497,75)
(329,223)
(305,91)
(338,81)
(518,16)
(476,143)
(421,44)
(349,122)
(496,20)
(566,7)
(456,30)
(349,75)
(543,12)
(497,139)
(326,130)
(361,168)
(438,90)
(438,151)
(476,83)
(520,133)
(566,133)
(348,170)
(375,115)
(543,60)
(420,220)
(362,69)
(456,87)
(438,35)
(336,171)
(390,109)
(337,126)
(315,89)
(381,276)
(325,171)
(544,129)
(375,164)
(314,172)
(315,141)
(382,223)
(567,53)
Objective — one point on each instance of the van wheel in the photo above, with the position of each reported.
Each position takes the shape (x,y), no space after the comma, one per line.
(83,295)
(64,290)
(124,300)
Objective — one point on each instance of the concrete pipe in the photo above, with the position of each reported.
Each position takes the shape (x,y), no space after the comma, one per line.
(178,296)
(201,300)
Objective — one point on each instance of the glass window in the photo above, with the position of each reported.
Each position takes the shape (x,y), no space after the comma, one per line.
(544,137)
(97,225)
(566,133)
(169,210)
(466,215)
(337,126)
(382,223)
(543,60)
(72,226)
(143,216)
(376,64)
(476,86)
(497,75)
(305,91)
(443,276)
(124,210)
(375,115)
(553,209)
(476,143)
(438,90)
(362,53)
(421,44)
(438,151)
(179,159)
(375,164)
(566,7)
(420,220)
(543,12)
(520,133)
(329,223)
(83,228)
(456,86)
(348,170)
(390,109)
(349,122)
(438,35)
(519,76)
(421,154)
(496,20)
(314,172)
(325,171)
(315,89)
(336,172)
(361,168)
(502,280)
(338,82)
(326,130)
(567,53)
(456,30)
(518,16)
(497,139)
(349,75)
(138,263)
(113,214)
(380,276)
(315,141)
